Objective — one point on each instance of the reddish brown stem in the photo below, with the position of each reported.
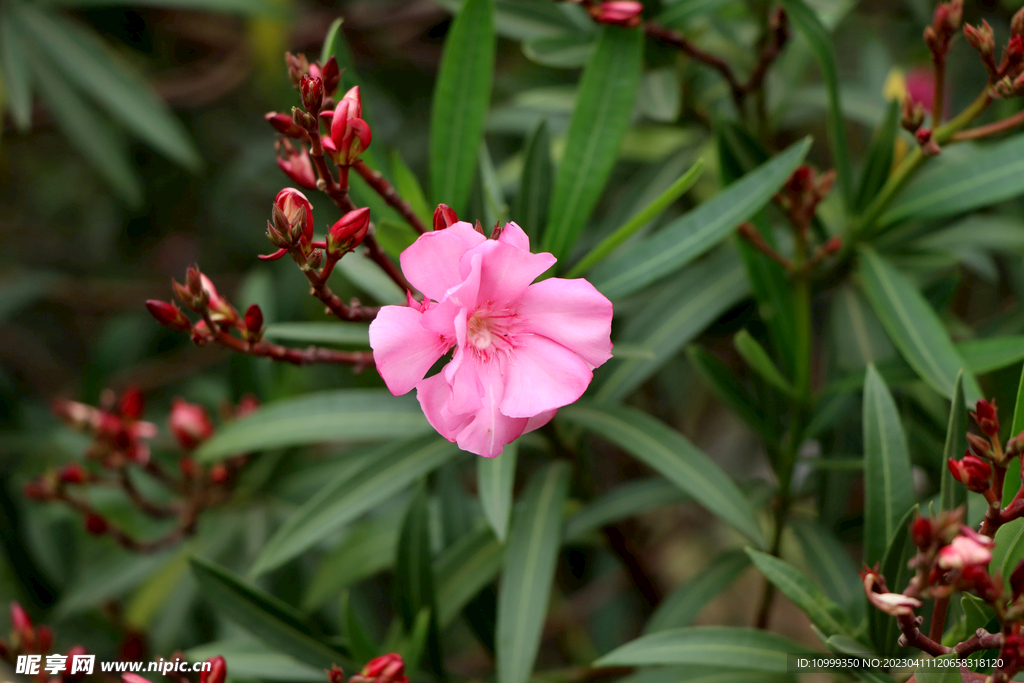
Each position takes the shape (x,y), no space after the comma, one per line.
(382,187)
(914,638)
(144,504)
(994,128)
(938,624)
(307,356)
(981,640)
(679,41)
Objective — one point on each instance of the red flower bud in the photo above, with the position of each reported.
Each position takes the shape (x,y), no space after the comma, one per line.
(285,125)
(1017,23)
(35,490)
(972,472)
(68,677)
(980,446)
(132,404)
(354,141)
(331,75)
(219,473)
(168,315)
(72,473)
(253,321)
(981,38)
(297,213)
(44,639)
(246,405)
(444,217)
(833,245)
(20,621)
(311,90)
(335,674)
(1014,54)
(190,423)
(987,417)
(389,668)
(96,524)
(298,66)
(189,468)
(217,673)
(1017,579)
(348,232)
(618,13)
(921,532)
(296,164)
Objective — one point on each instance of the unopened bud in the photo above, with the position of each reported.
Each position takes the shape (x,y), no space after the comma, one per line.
(217,673)
(981,38)
(980,446)
(296,163)
(20,621)
(298,66)
(912,115)
(356,139)
(302,119)
(293,215)
(972,472)
(331,75)
(1015,446)
(285,125)
(44,638)
(311,90)
(253,322)
(194,281)
(219,473)
(168,315)
(67,676)
(444,217)
(1017,23)
(96,524)
(190,423)
(132,403)
(335,674)
(833,245)
(189,468)
(72,473)
(389,668)
(349,232)
(618,13)
(986,415)
(315,259)
(921,532)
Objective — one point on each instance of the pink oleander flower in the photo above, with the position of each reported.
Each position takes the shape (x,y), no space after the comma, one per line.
(521,350)
(967,550)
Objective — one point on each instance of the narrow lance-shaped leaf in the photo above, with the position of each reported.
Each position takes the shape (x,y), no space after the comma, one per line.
(830,564)
(953,492)
(822,612)
(533,199)
(683,605)
(278,625)
(529,571)
(729,647)
(681,241)
(913,326)
(879,163)
(599,122)
(668,452)
(807,23)
(1009,548)
(464,569)
(757,358)
(397,465)
(414,577)
(888,483)
(461,97)
(16,75)
(728,389)
(625,500)
(495,478)
(1012,483)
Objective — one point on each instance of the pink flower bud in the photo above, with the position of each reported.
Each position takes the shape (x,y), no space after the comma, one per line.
(921,532)
(44,639)
(75,414)
(389,668)
(348,232)
(356,139)
(68,677)
(96,524)
(297,213)
(987,417)
(331,75)
(296,164)
(966,550)
(190,423)
(285,125)
(253,321)
(248,404)
(618,13)
(217,673)
(311,90)
(20,621)
(981,38)
(972,472)
(444,217)
(168,315)
(220,309)
(132,404)
(134,678)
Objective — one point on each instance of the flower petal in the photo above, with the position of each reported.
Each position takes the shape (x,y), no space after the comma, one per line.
(431,263)
(506,271)
(403,349)
(490,430)
(572,313)
(539,420)
(433,393)
(514,236)
(542,375)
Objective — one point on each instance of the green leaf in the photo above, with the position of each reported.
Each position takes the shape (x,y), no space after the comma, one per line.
(127,97)
(408,187)
(686,238)
(672,319)
(879,161)
(345,415)
(564,51)
(726,646)
(683,605)
(464,569)
(495,478)
(363,648)
(680,12)
(830,565)
(625,500)
(935,673)
(888,483)
(87,131)
(395,466)
(461,97)
(106,579)
(243,7)
(661,95)
(649,213)
(913,326)
(728,389)
(278,625)
(953,494)
(986,355)
(529,572)
(340,333)
(599,122)
(807,23)
(250,659)
(414,577)
(526,19)
(668,452)
(883,628)
(856,332)
(822,612)
(17,84)
(965,182)
(368,549)
(757,358)
(534,196)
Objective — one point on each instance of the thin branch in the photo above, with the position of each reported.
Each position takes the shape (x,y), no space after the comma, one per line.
(307,356)
(994,128)
(382,187)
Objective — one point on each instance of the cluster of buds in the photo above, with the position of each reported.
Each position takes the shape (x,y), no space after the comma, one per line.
(291,231)
(389,668)
(618,13)
(37,643)
(984,463)
(1008,73)
(116,430)
(945,25)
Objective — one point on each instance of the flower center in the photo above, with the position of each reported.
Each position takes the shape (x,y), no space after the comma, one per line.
(488,331)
